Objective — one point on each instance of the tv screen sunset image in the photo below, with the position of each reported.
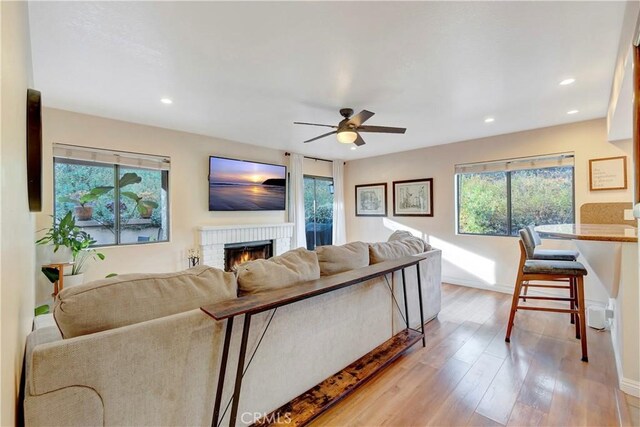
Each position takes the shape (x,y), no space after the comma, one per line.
(236,185)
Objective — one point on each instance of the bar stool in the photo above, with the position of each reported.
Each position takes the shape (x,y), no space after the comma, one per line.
(570,272)
(532,240)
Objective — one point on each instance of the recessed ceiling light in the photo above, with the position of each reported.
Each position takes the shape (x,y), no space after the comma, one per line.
(166,101)
(354,147)
(572,112)
(489,120)
(567,81)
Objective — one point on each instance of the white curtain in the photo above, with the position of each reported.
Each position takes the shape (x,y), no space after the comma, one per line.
(296,209)
(339,228)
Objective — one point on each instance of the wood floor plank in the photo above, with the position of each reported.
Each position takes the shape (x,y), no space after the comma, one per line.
(468,375)
(478,420)
(460,405)
(525,415)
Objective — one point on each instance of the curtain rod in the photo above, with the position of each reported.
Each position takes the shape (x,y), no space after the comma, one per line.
(310,158)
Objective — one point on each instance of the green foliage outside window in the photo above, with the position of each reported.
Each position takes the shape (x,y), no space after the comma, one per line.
(483,203)
(538,196)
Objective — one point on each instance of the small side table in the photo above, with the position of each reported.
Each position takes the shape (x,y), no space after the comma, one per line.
(58,285)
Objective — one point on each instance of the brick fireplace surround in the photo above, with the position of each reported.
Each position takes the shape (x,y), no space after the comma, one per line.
(213,238)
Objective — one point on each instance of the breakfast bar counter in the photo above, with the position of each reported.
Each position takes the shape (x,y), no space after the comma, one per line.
(598,232)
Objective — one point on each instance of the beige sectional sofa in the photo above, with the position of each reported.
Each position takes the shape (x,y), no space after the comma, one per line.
(137,350)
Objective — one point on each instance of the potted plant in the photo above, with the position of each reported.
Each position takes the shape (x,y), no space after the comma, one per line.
(84,211)
(146,201)
(65,233)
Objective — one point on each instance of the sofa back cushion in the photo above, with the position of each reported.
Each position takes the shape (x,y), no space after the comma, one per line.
(298,265)
(337,259)
(384,251)
(132,298)
(402,235)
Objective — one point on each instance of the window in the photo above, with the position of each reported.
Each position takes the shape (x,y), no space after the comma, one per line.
(318,211)
(118,198)
(500,198)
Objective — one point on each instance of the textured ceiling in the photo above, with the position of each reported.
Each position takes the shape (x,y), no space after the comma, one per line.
(244,71)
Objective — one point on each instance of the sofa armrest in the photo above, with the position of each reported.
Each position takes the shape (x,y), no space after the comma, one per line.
(170,361)
(431,281)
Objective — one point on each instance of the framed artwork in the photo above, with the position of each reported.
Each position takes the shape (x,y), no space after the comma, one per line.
(371,199)
(413,197)
(608,173)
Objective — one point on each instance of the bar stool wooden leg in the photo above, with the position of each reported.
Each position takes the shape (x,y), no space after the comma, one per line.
(525,290)
(572,295)
(582,318)
(576,307)
(514,304)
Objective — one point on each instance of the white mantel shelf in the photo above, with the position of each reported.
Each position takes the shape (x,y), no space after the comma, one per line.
(239,227)
(214,237)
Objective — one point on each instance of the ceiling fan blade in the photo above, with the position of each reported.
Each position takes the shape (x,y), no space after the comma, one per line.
(321,136)
(360,118)
(381,129)
(359,141)
(315,124)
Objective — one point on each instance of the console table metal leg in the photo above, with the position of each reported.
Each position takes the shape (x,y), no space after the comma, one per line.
(239,371)
(406,303)
(424,341)
(223,370)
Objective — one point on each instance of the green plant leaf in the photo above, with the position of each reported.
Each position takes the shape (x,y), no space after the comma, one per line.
(100,255)
(40,310)
(131,195)
(110,275)
(150,204)
(99,191)
(65,199)
(128,179)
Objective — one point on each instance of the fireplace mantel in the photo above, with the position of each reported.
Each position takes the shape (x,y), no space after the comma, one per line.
(212,239)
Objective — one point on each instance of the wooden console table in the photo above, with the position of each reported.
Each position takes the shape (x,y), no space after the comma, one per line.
(312,403)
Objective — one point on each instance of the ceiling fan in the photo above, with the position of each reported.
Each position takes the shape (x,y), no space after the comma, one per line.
(349,129)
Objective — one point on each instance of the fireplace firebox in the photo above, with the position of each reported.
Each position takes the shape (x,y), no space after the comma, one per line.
(237,253)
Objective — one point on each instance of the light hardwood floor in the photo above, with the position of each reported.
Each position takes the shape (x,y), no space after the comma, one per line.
(468,375)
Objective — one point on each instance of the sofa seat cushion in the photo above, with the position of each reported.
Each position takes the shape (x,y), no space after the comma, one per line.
(385,251)
(337,259)
(132,298)
(298,265)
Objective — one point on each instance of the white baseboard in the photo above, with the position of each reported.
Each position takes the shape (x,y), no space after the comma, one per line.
(505,289)
(630,387)
(478,285)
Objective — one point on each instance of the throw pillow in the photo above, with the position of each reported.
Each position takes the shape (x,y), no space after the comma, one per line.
(298,265)
(337,259)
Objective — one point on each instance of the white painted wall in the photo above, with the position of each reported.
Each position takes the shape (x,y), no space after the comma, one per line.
(188,186)
(17,225)
(481,261)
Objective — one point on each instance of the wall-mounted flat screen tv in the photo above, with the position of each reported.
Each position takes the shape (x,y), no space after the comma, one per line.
(239,185)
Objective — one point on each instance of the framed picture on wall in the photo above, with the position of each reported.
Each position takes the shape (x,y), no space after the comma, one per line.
(413,197)
(608,173)
(371,199)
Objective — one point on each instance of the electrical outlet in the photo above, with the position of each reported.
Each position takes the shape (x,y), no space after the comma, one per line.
(628,215)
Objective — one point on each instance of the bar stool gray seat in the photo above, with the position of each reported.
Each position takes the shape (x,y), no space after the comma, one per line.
(572,268)
(557,275)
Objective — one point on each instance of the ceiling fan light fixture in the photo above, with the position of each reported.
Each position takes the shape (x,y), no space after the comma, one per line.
(346,136)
